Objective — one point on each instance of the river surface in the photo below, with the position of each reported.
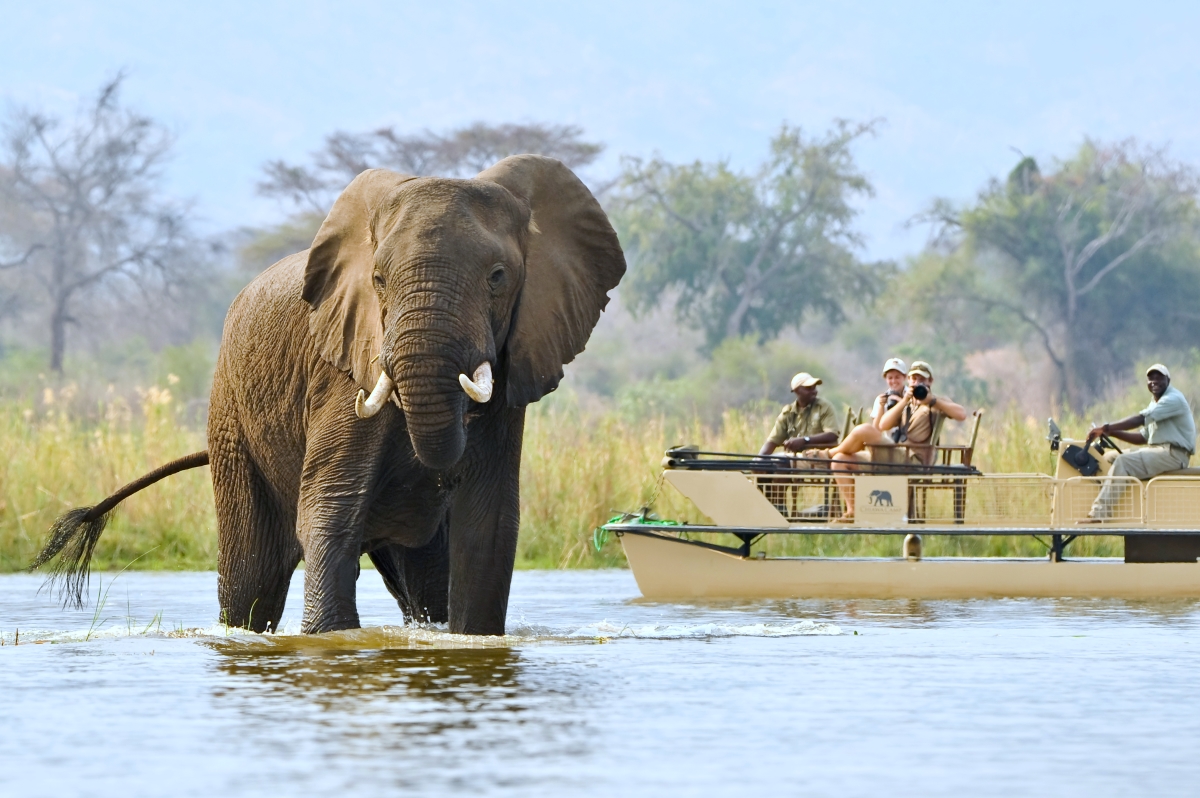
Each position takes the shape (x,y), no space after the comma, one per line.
(595,692)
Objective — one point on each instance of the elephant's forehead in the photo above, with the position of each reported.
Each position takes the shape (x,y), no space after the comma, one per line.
(476,200)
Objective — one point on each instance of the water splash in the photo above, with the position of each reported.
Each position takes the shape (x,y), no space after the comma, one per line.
(605,629)
(422,636)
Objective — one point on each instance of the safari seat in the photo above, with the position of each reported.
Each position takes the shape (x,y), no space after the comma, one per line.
(932,453)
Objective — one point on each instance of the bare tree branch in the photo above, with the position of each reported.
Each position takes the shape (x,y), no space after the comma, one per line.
(91,186)
(21,261)
(461,152)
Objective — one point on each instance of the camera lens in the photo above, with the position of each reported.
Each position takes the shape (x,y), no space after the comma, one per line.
(920,392)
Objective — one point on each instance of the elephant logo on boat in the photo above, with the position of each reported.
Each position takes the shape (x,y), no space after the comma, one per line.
(880,498)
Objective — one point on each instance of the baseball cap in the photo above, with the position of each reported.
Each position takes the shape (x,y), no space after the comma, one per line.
(1160,368)
(894,364)
(921,367)
(805,379)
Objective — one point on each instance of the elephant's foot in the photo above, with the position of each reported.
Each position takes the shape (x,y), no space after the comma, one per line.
(333,623)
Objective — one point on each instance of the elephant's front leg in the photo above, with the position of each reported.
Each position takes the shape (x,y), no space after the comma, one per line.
(484,519)
(340,475)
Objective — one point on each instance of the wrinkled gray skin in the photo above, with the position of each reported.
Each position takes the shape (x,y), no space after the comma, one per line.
(427,278)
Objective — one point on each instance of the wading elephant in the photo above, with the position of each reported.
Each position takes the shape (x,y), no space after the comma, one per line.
(454,303)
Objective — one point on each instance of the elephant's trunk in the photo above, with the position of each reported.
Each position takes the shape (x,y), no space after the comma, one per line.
(433,404)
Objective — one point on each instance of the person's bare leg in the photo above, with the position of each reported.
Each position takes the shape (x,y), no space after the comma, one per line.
(843,463)
(860,437)
(845,458)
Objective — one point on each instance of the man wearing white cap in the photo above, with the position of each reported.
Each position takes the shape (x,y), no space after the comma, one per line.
(1169,435)
(808,423)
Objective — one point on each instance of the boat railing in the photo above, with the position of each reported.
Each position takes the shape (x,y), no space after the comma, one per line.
(796,499)
(912,459)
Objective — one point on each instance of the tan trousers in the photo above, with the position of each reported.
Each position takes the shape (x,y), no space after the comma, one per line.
(1142,464)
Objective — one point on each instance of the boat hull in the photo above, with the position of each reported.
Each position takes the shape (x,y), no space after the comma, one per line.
(667,567)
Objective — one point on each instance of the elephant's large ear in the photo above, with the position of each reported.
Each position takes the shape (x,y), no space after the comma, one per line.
(573,259)
(345,321)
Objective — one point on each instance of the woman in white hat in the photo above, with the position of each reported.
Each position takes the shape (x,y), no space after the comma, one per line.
(894,371)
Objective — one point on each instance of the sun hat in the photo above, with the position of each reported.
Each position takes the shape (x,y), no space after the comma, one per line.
(921,367)
(1160,368)
(805,379)
(894,364)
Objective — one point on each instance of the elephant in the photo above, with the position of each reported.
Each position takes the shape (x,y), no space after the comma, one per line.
(342,419)
(880,498)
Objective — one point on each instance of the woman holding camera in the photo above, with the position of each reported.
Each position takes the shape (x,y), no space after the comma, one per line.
(912,420)
(893,373)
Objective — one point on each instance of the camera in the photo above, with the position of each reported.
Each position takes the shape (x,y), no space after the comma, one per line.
(920,392)
(892,398)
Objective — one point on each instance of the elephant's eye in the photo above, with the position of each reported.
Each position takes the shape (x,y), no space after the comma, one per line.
(377,278)
(497,277)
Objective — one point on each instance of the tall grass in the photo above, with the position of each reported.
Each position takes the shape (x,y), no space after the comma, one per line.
(55,461)
(579,468)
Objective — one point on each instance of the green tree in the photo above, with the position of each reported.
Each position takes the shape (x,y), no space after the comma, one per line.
(1096,259)
(748,254)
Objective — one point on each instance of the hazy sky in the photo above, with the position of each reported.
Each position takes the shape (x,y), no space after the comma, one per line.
(959,84)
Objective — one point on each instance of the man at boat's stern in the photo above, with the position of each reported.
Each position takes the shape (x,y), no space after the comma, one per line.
(1169,435)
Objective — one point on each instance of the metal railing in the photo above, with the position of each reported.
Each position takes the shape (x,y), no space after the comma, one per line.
(1008,501)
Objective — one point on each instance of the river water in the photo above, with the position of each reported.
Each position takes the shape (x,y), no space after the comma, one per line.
(595,692)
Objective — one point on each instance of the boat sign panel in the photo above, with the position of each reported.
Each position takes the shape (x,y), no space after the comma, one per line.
(729,498)
(880,501)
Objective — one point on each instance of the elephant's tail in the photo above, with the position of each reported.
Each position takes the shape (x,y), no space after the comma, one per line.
(74,534)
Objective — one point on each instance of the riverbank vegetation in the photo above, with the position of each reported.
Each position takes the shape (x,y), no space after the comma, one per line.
(580,467)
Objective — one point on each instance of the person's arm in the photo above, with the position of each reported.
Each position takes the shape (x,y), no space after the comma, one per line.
(947,407)
(877,411)
(776,438)
(818,441)
(892,417)
(1121,430)
(827,437)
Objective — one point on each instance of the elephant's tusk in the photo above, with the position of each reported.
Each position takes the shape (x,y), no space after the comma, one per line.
(367,406)
(480,388)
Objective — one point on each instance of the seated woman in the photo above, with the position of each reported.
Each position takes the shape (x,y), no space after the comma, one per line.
(912,421)
(894,371)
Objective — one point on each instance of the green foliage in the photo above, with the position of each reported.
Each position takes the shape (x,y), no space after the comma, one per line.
(742,375)
(1096,261)
(187,369)
(748,254)
(940,310)
(122,372)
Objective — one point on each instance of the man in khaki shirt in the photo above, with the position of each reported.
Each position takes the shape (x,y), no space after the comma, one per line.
(1169,437)
(808,423)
